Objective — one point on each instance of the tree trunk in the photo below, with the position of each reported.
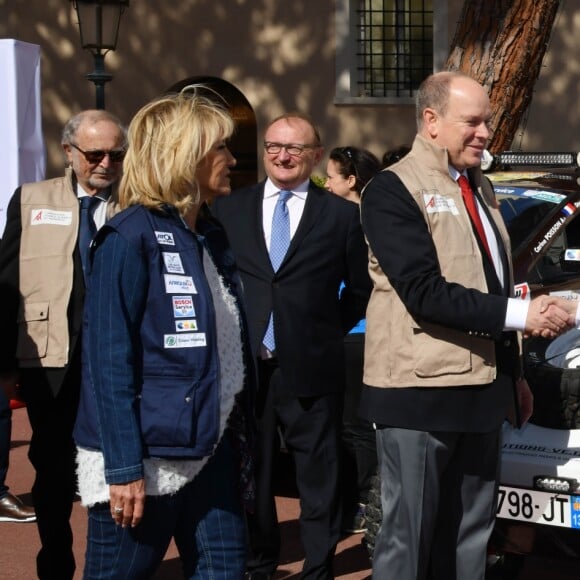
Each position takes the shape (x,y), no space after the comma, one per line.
(501,43)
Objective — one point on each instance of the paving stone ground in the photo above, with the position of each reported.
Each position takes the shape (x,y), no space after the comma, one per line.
(19,542)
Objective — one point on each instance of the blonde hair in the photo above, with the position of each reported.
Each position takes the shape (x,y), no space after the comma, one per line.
(168,138)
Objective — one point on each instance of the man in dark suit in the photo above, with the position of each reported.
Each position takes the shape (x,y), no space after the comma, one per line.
(294,244)
(42,289)
(441,351)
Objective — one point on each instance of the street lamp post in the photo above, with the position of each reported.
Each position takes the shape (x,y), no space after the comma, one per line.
(99,29)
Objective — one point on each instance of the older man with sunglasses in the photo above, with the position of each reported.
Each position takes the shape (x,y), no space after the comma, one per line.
(42,286)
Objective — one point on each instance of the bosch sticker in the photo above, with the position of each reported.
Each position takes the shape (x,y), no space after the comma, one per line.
(183,307)
(189,340)
(174,284)
(185,325)
(173,263)
(165,238)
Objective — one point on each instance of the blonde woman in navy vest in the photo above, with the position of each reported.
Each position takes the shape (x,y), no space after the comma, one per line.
(164,427)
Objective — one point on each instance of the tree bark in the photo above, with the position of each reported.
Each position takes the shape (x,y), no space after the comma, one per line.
(501,44)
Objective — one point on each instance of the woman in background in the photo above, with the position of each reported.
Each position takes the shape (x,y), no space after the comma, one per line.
(165,422)
(348,170)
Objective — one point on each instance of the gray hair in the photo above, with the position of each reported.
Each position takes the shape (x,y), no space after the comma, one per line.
(90,116)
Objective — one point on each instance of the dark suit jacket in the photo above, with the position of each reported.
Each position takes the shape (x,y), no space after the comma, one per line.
(309,316)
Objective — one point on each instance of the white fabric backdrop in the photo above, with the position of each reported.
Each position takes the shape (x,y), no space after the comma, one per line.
(22,152)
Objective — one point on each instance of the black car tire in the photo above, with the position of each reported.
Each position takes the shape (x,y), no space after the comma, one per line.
(506,567)
(550,368)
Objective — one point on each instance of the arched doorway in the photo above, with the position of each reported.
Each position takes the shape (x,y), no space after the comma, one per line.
(244,141)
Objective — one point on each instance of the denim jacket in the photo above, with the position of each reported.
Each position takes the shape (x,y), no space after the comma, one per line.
(150,364)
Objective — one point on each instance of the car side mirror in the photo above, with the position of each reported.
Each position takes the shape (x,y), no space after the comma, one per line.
(570,260)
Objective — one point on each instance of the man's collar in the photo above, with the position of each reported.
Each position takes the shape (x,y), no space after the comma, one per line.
(102,195)
(270,190)
(455,174)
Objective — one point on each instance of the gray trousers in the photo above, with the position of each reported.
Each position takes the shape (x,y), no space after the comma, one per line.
(439,500)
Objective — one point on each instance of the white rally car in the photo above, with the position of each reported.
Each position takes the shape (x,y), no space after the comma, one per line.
(539,496)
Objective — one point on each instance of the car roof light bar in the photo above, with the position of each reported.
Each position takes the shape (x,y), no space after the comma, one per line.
(563,159)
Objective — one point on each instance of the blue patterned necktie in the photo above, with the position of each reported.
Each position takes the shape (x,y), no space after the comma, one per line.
(87,229)
(279,243)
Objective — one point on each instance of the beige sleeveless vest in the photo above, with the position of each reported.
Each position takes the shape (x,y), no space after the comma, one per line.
(399,352)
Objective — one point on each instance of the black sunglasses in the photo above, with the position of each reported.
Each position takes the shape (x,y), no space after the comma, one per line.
(96,156)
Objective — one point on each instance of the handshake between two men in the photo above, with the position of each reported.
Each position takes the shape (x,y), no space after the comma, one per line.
(549,316)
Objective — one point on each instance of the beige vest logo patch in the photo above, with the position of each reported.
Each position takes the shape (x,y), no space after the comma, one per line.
(50,217)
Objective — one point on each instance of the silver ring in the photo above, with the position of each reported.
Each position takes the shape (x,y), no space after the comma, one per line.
(118,510)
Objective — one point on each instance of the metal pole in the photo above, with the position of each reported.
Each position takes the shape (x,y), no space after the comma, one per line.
(99,77)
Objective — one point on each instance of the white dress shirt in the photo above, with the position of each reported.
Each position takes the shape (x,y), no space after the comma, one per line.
(295,206)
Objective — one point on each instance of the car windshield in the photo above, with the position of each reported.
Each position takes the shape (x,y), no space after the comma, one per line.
(540,230)
(522,216)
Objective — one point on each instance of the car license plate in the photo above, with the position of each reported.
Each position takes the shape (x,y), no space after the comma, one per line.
(540,507)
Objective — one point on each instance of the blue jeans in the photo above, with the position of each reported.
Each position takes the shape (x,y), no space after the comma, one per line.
(205,518)
(5,434)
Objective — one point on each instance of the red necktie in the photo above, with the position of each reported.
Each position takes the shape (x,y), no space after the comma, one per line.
(471,205)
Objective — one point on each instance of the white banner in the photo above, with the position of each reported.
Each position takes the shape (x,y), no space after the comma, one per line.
(22,153)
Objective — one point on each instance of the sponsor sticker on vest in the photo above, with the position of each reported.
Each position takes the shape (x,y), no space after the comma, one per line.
(185,325)
(173,263)
(50,217)
(437,203)
(183,307)
(174,284)
(165,238)
(189,340)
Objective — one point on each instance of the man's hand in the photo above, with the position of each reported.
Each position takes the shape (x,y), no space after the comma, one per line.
(549,316)
(127,502)
(567,304)
(9,383)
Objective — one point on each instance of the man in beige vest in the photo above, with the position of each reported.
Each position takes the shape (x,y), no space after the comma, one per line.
(42,287)
(441,353)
